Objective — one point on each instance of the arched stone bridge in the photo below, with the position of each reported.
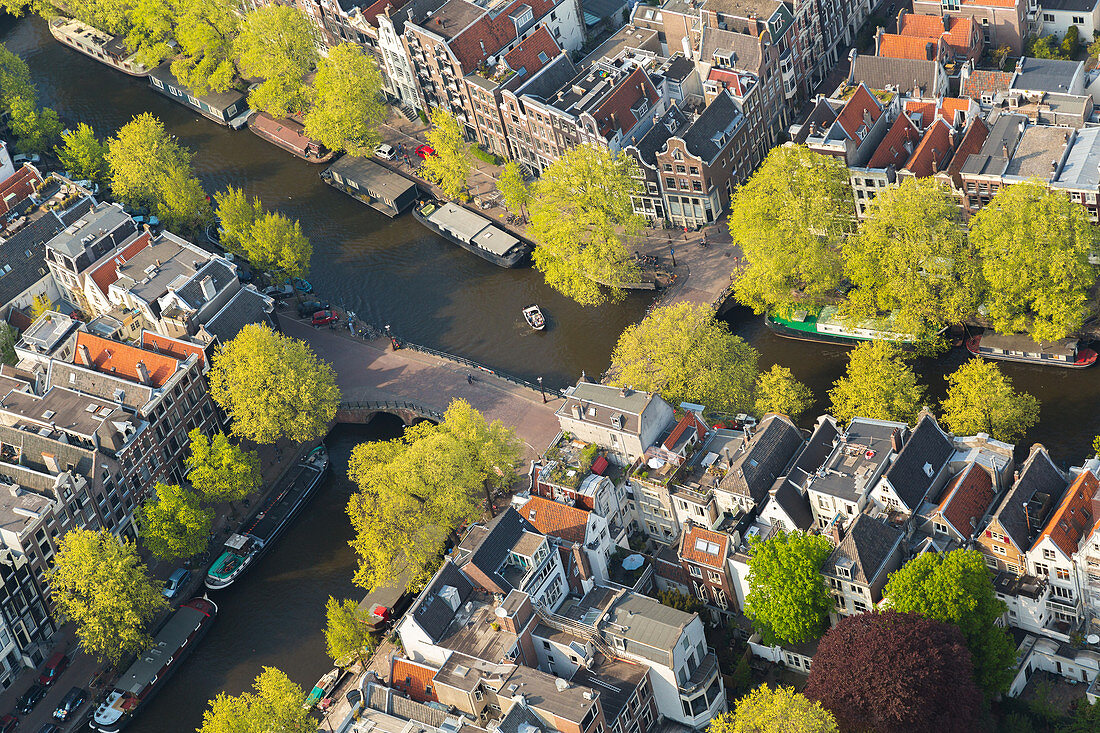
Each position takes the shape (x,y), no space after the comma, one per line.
(364,411)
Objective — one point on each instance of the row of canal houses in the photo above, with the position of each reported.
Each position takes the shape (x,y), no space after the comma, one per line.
(883,492)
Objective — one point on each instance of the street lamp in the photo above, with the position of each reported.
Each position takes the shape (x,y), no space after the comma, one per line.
(543,391)
(672,251)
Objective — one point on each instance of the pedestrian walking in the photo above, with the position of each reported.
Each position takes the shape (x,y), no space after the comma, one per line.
(469,379)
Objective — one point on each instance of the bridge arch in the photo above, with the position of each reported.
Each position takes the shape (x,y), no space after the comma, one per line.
(361,411)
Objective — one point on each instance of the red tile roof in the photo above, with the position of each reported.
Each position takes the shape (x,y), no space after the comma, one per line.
(16,188)
(985,82)
(967,497)
(972,142)
(487,35)
(556,519)
(960,38)
(1073,519)
(851,117)
(174,347)
(289,132)
(526,54)
(893,149)
(414,679)
(925,110)
(615,112)
(950,106)
(695,538)
(121,360)
(371,12)
(992,3)
(934,146)
(920,25)
(907,47)
(687,422)
(107,273)
(730,80)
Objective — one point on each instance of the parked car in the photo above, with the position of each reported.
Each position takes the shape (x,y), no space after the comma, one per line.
(424,151)
(323,318)
(8,723)
(385,151)
(49,728)
(55,665)
(278,292)
(73,699)
(302,286)
(310,307)
(30,698)
(26,158)
(176,582)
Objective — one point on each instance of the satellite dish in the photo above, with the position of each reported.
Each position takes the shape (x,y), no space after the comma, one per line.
(655,462)
(500,612)
(633,562)
(1093,638)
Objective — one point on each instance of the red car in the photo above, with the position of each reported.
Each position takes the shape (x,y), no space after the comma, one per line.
(424,151)
(8,723)
(323,318)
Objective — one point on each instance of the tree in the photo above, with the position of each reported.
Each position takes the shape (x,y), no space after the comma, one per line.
(687,355)
(980,399)
(878,384)
(173,525)
(237,214)
(893,672)
(1000,55)
(15,79)
(148,166)
(778,391)
(278,44)
(449,166)
(1070,42)
(152,35)
(205,30)
(348,633)
(273,386)
(1094,46)
(415,490)
(8,337)
(82,154)
(99,583)
(911,263)
(787,599)
(40,305)
(789,220)
(277,243)
(1085,718)
(513,188)
(275,704)
(220,471)
(35,128)
(182,203)
(957,588)
(779,710)
(580,212)
(1034,246)
(681,601)
(112,16)
(347,101)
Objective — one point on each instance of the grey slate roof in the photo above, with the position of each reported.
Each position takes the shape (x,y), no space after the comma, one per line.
(679,68)
(710,134)
(794,503)
(650,629)
(814,452)
(1039,475)
(432,612)
(991,160)
(25,252)
(220,272)
(770,450)
(926,451)
(879,72)
(520,718)
(821,117)
(867,544)
(547,81)
(745,49)
(674,121)
(1081,6)
(501,536)
(247,306)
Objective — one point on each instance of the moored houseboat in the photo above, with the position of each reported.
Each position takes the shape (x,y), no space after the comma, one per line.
(375,185)
(828,328)
(228,108)
(473,232)
(290,135)
(1066,352)
(96,44)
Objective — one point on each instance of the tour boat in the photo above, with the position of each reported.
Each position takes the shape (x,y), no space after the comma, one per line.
(171,644)
(534,317)
(1065,352)
(825,326)
(259,532)
(473,232)
(97,44)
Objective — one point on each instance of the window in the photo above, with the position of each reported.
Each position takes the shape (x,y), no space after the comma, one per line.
(859,606)
(1048,554)
(999,550)
(1078,20)
(695,571)
(1048,17)
(939,528)
(1062,573)
(1041,569)
(715,577)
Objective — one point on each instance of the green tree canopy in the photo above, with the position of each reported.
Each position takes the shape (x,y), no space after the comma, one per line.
(152,32)
(15,79)
(449,168)
(911,260)
(687,355)
(40,305)
(275,705)
(237,215)
(778,710)
(789,220)
(221,471)
(787,599)
(8,336)
(99,583)
(581,211)
(347,101)
(348,633)
(778,391)
(1035,245)
(878,384)
(278,44)
(83,155)
(415,490)
(36,129)
(513,188)
(182,204)
(980,399)
(277,243)
(173,525)
(205,30)
(273,386)
(112,16)
(957,588)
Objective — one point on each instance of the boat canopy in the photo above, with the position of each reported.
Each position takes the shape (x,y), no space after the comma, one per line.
(236,541)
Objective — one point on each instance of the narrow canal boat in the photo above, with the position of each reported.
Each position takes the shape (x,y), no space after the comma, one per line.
(290,135)
(534,317)
(96,44)
(171,645)
(473,232)
(1066,352)
(259,532)
(827,327)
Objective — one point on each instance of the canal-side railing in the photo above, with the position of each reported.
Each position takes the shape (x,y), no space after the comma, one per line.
(551,391)
(386,405)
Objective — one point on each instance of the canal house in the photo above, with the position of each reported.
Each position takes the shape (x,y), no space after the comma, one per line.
(222,107)
(378,187)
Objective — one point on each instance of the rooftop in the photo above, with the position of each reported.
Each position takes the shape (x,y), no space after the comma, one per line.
(864,550)
(124,361)
(1047,75)
(95,223)
(1038,153)
(857,455)
(1082,167)
(649,628)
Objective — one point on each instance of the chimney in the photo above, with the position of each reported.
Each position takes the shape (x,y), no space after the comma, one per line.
(1004,150)
(836,533)
(897,440)
(85,355)
(142,372)
(207,285)
(935,162)
(387,10)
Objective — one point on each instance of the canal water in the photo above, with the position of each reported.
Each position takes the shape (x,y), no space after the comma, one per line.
(429,291)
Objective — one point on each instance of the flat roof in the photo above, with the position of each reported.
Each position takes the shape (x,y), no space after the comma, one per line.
(857,456)
(383,182)
(95,223)
(166,643)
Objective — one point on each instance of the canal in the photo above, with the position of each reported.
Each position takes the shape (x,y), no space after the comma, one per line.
(431,292)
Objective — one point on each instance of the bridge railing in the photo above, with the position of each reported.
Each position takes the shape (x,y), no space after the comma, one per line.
(552,391)
(384,405)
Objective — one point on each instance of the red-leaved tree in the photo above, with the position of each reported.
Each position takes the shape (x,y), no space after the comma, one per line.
(891,671)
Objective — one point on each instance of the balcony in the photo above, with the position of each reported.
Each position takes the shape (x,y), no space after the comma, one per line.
(702,675)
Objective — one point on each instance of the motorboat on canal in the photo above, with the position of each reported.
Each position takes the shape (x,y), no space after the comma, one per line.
(259,532)
(1067,352)
(171,645)
(473,232)
(534,317)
